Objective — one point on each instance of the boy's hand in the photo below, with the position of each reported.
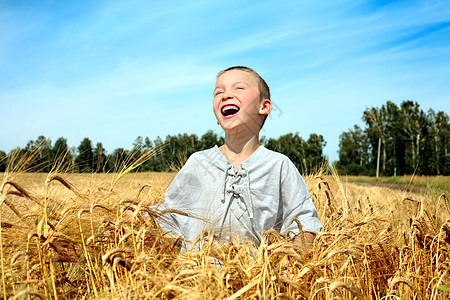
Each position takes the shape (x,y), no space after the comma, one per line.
(305,241)
(135,213)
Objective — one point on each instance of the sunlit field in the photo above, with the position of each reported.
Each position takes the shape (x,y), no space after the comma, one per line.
(67,235)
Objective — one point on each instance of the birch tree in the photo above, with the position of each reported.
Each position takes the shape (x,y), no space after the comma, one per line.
(439,134)
(378,122)
(414,122)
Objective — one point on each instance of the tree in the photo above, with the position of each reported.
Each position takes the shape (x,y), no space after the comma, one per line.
(148,144)
(414,123)
(439,132)
(39,154)
(157,163)
(18,160)
(177,149)
(3,161)
(291,145)
(118,159)
(208,140)
(378,122)
(138,146)
(84,160)
(61,153)
(148,165)
(314,152)
(136,152)
(28,156)
(99,159)
(394,144)
(353,152)
(410,141)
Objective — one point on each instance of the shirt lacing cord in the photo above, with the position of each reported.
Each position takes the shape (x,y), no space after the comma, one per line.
(237,175)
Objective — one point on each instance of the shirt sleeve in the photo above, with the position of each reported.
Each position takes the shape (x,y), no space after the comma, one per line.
(297,202)
(179,196)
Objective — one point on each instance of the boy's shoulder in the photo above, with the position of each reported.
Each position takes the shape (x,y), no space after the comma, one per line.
(274,155)
(210,153)
(267,158)
(207,157)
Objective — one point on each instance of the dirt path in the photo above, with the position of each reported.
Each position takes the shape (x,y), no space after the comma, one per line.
(396,186)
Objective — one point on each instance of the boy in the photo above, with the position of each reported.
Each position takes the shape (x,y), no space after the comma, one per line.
(241,188)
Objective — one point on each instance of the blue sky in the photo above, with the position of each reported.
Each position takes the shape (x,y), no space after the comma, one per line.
(115,70)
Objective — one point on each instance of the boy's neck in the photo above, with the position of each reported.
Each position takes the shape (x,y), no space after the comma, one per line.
(237,150)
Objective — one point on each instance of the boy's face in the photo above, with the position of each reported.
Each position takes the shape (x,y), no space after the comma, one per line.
(237,101)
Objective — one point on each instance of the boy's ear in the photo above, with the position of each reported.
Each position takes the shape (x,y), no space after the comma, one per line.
(265,107)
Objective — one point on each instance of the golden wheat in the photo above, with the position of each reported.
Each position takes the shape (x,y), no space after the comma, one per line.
(69,236)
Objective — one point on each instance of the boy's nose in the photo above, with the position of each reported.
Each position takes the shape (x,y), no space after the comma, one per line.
(226,96)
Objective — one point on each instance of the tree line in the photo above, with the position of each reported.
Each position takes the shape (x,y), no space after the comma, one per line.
(42,155)
(397,140)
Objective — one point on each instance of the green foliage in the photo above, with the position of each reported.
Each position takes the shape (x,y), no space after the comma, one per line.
(166,155)
(208,140)
(99,162)
(85,159)
(42,150)
(291,145)
(3,160)
(118,160)
(353,152)
(61,153)
(306,156)
(314,152)
(410,141)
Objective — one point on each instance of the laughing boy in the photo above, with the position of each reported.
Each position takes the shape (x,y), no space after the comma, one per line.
(240,189)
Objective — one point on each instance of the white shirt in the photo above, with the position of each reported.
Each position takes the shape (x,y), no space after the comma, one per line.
(266,192)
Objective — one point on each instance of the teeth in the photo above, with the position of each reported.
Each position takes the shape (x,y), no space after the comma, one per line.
(229,107)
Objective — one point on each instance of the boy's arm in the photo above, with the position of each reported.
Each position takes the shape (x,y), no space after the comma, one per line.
(297,204)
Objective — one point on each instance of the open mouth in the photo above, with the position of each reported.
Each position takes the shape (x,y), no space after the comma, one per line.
(229,110)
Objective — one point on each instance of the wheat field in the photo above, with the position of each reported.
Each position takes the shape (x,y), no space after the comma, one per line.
(69,236)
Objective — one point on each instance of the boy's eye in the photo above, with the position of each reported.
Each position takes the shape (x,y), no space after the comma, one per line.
(240,88)
(218,93)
